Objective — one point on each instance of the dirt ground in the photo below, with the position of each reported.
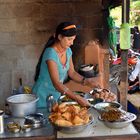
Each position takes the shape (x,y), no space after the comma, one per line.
(135,100)
(137,123)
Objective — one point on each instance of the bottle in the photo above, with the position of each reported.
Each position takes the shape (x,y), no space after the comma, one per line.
(1,122)
(50,101)
(20,89)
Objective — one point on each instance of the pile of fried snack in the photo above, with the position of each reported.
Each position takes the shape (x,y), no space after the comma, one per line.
(112,114)
(69,115)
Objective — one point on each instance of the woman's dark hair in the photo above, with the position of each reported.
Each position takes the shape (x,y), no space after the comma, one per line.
(66,29)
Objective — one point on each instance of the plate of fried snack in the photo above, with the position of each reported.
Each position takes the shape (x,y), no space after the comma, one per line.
(104,94)
(117,118)
(70,117)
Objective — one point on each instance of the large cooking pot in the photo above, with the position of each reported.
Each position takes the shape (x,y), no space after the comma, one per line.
(22,104)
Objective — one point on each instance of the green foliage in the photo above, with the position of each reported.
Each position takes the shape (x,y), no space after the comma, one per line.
(116,13)
(135,13)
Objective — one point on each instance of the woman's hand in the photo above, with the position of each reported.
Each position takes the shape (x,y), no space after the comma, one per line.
(92,82)
(82,101)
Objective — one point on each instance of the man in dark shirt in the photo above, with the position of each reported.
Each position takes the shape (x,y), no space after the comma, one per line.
(136,37)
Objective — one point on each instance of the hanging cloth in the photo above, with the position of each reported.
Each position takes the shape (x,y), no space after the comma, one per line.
(125,36)
(112,36)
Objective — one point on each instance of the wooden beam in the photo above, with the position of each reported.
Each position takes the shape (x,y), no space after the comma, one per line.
(124,57)
(124,79)
(125,11)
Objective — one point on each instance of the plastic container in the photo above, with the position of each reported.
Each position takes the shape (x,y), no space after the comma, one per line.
(125,36)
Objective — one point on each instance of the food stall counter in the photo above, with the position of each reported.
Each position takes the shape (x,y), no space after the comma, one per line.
(45,132)
(98,131)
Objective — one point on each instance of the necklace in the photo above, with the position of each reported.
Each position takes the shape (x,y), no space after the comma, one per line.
(60,52)
(62,56)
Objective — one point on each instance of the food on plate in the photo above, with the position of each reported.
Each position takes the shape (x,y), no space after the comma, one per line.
(69,115)
(65,98)
(112,114)
(104,94)
(63,122)
(77,120)
(13,127)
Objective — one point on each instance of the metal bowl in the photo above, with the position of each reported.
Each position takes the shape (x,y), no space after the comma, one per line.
(73,129)
(35,120)
(87,96)
(126,121)
(95,101)
(65,98)
(103,106)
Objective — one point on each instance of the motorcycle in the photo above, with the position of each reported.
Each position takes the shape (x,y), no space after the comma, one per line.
(115,71)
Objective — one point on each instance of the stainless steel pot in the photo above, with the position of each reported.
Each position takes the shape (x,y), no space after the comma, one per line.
(22,104)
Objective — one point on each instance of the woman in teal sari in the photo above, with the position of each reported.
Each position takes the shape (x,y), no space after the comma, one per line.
(55,64)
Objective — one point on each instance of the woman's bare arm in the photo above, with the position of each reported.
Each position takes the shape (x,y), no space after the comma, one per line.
(91,82)
(52,67)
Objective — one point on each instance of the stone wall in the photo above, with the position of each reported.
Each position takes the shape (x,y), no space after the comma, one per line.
(25,26)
